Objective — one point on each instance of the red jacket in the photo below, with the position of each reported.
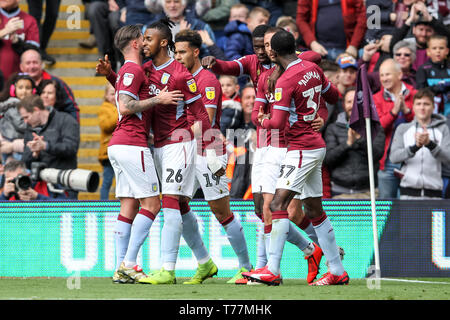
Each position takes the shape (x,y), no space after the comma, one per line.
(353,12)
(384,105)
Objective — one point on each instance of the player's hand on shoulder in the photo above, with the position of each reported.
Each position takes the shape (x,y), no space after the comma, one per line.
(208,62)
(170,97)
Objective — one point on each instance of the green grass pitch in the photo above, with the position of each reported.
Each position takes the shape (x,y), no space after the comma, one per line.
(216,288)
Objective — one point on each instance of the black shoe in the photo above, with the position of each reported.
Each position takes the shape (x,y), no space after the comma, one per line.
(48,59)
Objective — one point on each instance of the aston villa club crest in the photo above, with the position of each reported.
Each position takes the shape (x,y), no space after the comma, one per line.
(165,78)
(210,93)
(192,86)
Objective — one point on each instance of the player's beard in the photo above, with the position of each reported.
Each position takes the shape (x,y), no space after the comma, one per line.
(142,54)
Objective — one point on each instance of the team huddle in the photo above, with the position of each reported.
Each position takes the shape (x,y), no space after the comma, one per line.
(175,99)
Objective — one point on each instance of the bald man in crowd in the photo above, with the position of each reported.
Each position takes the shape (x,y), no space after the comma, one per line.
(394,105)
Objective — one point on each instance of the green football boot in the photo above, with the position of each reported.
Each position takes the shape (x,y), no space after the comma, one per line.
(160,277)
(237,276)
(204,271)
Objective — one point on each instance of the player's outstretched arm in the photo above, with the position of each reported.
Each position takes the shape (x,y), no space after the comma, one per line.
(208,62)
(128,105)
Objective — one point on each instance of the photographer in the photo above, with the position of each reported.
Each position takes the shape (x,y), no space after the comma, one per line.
(51,137)
(17,187)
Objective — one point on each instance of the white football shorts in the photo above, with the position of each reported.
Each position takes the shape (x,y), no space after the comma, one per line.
(301,172)
(258,169)
(176,168)
(134,170)
(213,187)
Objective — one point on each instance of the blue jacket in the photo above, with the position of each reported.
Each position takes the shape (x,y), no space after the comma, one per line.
(238,42)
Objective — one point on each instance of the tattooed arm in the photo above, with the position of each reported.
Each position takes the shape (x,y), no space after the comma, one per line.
(129,105)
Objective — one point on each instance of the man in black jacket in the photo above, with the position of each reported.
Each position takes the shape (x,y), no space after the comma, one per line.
(51,137)
(346,156)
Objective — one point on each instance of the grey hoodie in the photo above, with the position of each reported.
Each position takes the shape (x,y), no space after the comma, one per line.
(422,168)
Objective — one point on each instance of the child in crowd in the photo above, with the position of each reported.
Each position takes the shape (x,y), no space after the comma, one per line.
(239,34)
(12,126)
(231,103)
(435,73)
(107,116)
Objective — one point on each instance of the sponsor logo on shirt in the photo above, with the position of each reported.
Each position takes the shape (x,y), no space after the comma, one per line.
(127,79)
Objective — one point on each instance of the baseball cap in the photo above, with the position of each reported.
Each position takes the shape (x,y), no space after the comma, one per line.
(347,62)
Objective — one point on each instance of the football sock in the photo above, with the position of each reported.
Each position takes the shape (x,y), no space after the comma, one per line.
(142,224)
(278,236)
(237,240)
(267,231)
(122,230)
(191,235)
(308,228)
(171,232)
(327,243)
(261,254)
(296,238)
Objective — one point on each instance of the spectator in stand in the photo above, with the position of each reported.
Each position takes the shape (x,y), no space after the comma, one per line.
(107,120)
(421,147)
(332,27)
(51,137)
(239,34)
(51,94)
(103,16)
(176,11)
(35,8)
(231,103)
(422,26)
(376,52)
(331,71)
(288,23)
(394,106)
(404,54)
(37,191)
(346,157)
(212,47)
(217,16)
(16,29)
(435,73)
(246,137)
(136,11)
(275,7)
(401,11)
(440,9)
(238,12)
(12,127)
(31,63)
(347,73)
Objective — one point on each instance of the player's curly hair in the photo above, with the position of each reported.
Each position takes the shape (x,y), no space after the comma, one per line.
(164,26)
(191,36)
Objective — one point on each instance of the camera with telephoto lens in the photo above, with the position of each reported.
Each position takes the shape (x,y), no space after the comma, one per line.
(21,182)
(68,179)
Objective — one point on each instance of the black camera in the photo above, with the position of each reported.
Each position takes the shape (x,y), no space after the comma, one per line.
(21,182)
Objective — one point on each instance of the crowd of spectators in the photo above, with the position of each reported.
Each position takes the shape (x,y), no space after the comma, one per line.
(404,45)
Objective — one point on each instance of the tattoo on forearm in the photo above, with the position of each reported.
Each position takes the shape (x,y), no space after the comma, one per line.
(135,106)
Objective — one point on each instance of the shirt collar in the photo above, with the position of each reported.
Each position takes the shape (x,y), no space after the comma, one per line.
(293,63)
